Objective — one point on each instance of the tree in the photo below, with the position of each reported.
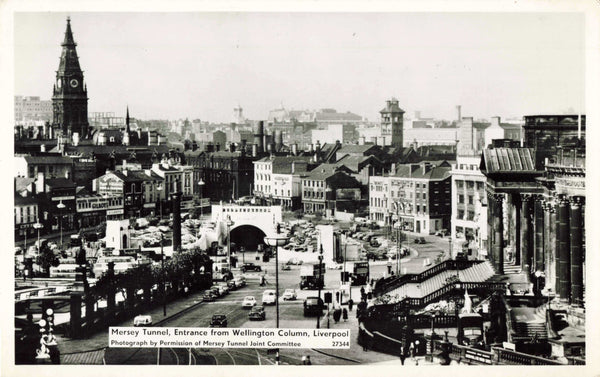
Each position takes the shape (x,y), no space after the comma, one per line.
(47,259)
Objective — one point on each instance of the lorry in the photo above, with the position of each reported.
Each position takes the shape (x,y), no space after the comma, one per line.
(357,271)
(311,277)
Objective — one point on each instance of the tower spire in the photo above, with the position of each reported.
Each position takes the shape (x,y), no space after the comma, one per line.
(69,41)
(127,119)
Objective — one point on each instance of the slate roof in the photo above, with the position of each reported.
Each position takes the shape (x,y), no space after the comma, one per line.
(60,183)
(48,160)
(25,200)
(509,160)
(416,171)
(283,164)
(21,183)
(354,148)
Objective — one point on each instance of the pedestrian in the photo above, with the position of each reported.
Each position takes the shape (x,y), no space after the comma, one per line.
(402,355)
(337,313)
(308,362)
(412,350)
(303,360)
(350,304)
(345,314)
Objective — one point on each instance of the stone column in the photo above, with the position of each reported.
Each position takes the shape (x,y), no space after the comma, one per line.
(539,234)
(576,252)
(498,224)
(526,233)
(552,243)
(517,230)
(546,245)
(564,261)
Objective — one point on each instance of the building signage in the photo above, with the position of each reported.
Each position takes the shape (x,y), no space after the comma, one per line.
(347,194)
(480,356)
(149,205)
(57,198)
(114,212)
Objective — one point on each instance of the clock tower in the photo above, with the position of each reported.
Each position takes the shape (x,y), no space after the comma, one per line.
(69,100)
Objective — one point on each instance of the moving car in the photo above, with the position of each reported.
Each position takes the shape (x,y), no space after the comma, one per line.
(285,267)
(218,320)
(249,301)
(420,240)
(313,306)
(268,297)
(217,290)
(250,267)
(257,312)
(142,320)
(224,288)
(289,294)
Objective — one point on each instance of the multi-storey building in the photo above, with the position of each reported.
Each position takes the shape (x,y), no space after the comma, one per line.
(32,108)
(392,124)
(26,215)
(468,192)
(50,165)
(417,195)
(279,179)
(322,186)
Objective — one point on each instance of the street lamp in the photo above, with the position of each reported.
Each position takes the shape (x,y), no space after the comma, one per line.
(319,284)
(61,206)
(37,226)
(432,332)
(201,183)
(230,223)
(278,239)
(162,274)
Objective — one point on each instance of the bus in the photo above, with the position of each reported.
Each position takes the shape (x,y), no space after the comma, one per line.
(470,330)
(64,270)
(122,264)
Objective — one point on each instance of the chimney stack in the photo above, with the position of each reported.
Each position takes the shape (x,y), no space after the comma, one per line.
(458,113)
(40,185)
(295,149)
(495,121)
(278,140)
(361,140)
(254,150)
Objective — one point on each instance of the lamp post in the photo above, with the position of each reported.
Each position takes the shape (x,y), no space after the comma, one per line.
(432,332)
(319,284)
(201,184)
(162,274)
(230,223)
(37,226)
(61,206)
(278,239)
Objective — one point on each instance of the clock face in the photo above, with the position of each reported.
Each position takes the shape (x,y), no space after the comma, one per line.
(74,83)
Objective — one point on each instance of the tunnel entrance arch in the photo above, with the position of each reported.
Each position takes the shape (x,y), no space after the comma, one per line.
(247,236)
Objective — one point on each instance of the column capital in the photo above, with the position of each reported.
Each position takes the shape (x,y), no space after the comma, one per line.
(498,197)
(576,201)
(563,200)
(527,197)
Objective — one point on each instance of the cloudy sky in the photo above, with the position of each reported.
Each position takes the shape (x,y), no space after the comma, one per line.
(201,65)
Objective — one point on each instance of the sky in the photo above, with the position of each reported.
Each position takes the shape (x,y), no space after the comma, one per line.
(202,65)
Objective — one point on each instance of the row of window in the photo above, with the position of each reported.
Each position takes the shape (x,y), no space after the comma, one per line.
(313,194)
(246,209)
(469,184)
(470,215)
(461,199)
(307,183)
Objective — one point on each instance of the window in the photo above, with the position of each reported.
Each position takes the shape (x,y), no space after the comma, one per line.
(461,214)
(470,215)
(470,184)
(460,184)
(424,209)
(470,199)
(418,208)
(479,185)
(461,198)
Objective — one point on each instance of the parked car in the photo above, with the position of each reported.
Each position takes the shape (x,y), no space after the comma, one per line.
(240,281)
(249,266)
(257,312)
(268,297)
(420,240)
(285,267)
(218,320)
(142,320)
(231,285)
(442,233)
(209,296)
(313,306)
(249,301)
(289,294)
(217,290)
(224,288)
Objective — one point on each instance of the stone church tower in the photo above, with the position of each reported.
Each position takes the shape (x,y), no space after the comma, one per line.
(69,99)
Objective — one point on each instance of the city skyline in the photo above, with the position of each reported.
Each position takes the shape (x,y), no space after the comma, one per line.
(429,61)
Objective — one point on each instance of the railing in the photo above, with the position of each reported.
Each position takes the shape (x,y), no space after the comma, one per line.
(505,356)
(396,282)
(451,288)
